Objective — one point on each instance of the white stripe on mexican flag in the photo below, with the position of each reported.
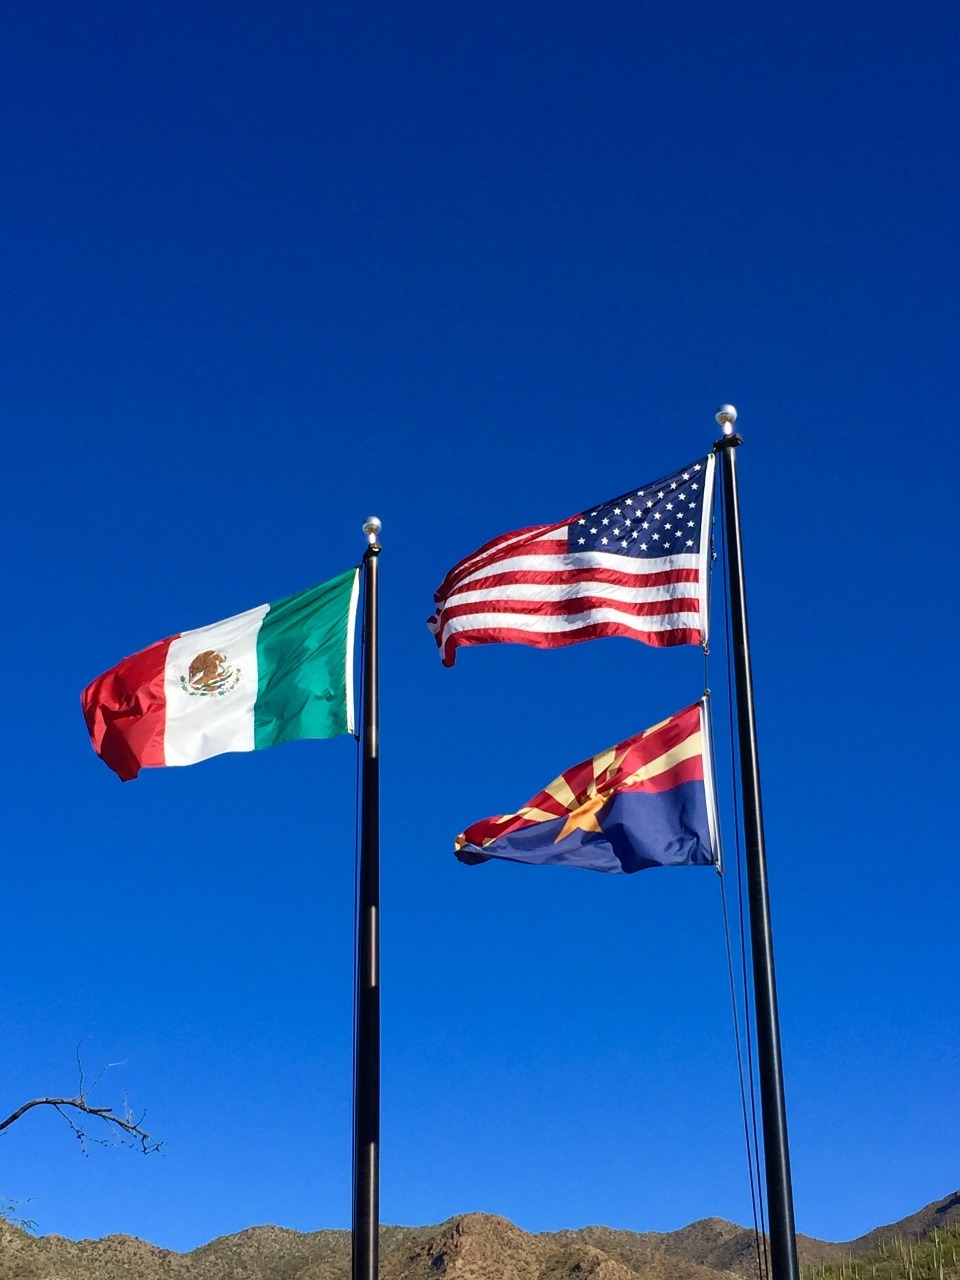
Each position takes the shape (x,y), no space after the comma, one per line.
(273,674)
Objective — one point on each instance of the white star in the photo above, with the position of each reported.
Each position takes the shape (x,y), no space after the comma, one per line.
(691,524)
(623,543)
(669,506)
(628,523)
(668,526)
(697,467)
(634,534)
(629,502)
(581,541)
(604,541)
(649,503)
(645,525)
(689,542)
(616,511)
(660,495)
(656,537)
(658,515)
(616,533)
(673,484)
(581,522)
(686,475)
(643,546)
(593,531)
(604,520)
(695,485)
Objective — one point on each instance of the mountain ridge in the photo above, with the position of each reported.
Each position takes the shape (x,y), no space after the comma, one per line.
(471,1246)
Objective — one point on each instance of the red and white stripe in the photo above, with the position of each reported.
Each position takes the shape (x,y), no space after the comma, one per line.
(527,588)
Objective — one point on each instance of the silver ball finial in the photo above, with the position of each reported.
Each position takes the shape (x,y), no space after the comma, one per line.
(726,417)
(372,527)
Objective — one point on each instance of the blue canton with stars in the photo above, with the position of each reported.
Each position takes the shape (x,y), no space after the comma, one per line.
(661,519)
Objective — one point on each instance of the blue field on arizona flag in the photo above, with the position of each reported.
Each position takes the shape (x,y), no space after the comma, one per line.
(647,802)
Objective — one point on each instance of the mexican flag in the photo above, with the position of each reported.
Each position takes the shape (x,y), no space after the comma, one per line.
(278,672)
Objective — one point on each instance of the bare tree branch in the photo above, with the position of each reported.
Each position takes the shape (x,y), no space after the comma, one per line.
(126,1129)
(130,1130)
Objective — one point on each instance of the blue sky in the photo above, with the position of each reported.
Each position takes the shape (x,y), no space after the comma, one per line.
(270,268)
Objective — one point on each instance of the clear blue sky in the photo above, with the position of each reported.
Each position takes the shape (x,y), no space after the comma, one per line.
(270,267)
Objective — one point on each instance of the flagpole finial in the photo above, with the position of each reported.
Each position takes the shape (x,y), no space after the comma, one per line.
(726,419)
(372,527)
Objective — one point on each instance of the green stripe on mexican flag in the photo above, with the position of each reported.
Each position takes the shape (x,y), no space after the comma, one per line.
(273,674)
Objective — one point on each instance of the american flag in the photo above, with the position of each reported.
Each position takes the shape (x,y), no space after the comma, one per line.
(635,566)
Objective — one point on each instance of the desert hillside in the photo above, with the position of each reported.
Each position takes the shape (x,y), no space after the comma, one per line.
(479,1246)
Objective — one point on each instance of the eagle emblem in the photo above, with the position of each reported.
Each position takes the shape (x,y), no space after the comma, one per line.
(210,675)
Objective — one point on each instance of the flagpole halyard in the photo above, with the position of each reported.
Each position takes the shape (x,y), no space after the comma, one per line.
(710,778)
(783,1245)
(366,1108)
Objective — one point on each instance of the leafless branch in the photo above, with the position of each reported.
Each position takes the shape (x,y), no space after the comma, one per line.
(127,1129)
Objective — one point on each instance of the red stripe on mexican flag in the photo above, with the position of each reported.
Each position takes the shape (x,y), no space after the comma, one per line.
(273,674)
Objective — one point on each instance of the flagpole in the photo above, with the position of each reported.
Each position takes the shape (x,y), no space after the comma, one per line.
(783,1243)
(366,1102)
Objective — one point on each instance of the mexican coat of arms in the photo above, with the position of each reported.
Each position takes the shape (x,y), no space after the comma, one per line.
(210,676)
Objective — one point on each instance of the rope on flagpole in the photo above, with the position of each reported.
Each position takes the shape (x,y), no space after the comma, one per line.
(358,741)
(747,1077)
(753,1171)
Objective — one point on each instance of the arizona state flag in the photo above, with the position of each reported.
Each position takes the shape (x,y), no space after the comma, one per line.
(647,802)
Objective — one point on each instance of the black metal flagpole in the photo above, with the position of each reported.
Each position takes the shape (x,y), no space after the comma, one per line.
(366,1101)
(783,1243)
